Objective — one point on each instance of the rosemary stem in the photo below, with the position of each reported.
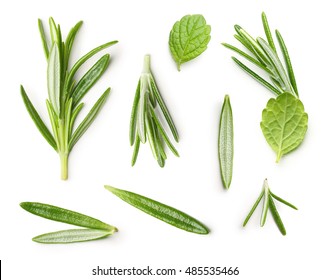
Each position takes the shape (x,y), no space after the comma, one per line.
(64,165)
(63,150)
(147,64)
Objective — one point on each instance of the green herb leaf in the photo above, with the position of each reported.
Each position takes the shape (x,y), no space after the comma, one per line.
(71,236)
(54,78)
(265,203)
(284,123)
(90,78)
(225,143)
(160,211)
(253,208)
(189,38)
(276,216)
(37,120)
(88,119)
(65,216)
(43,38)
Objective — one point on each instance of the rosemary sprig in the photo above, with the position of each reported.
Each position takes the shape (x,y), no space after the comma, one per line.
(64,93)
(145,124)
(268,204)
(264,55)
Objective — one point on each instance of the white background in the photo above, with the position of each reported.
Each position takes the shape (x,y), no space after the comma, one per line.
(30,167)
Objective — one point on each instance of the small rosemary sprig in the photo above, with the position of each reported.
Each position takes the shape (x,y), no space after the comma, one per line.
(264,55)
(269,204)
(64,93)
(145,124)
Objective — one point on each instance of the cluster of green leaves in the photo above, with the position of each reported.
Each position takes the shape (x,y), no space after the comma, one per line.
(65,93)
(160,211)
(269,204)
(93,228)
(189,38)
(145,123)
(226,143)
(284,122)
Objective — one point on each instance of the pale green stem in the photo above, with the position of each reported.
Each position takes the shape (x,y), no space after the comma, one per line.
(63,149)
(147,64)
(64,165)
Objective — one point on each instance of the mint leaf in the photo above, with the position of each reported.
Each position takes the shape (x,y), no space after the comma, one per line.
(189,38)
(284,123)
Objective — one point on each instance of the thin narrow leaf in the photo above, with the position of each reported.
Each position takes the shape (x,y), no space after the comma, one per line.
(277,65)
(256,76)
(244,43)
(287,60)
(132,128)
(70,40)
(151,136)
(37,120)
(83,59)
(54,123)
(89,79)
(68,112)
(141,112)
(136,150)
(247,56)
(81,129)
(253,208)
(54,78)
(160,211)
(283,201)
(58,214)
(225,143)
(163,133)
(53,30)
(75,113)
(265,204)
(276,216)
(43,38)
(164,110)
(71,236)
(268,32)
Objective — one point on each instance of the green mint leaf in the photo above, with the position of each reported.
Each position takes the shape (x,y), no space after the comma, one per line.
(284,123)
(189,38)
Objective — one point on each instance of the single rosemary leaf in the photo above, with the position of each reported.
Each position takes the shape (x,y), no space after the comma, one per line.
(268,32)
(37,120)
(276,216)
(225,143)
(283,201)
(89,79)
(136,150)
(253,208)
(256,76)
(287,60)
(161,211)
(132,128)
(43,38)
(64,215)
(265,204)
(54,78)
(70,40)
(83,126)
(71,236)
(75,113)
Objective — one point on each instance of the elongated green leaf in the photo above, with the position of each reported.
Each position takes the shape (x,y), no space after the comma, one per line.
(164,110)
(225,143)
(54,78)
(268,32)
(276,216)
(53,31)
(287,60)
(83,59)
(256,76)
(81,129)
(90,78)
(253,208)
(161,211)
(247,56)
(43,38)
(284,123)
(37,120)
(132,128)
(54,123)
(141,111)
(283,201)
(70,40)
(75,113)
(71,236)
(189,38)
(136,150)
(163,133)
(65,216)
(265,204)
